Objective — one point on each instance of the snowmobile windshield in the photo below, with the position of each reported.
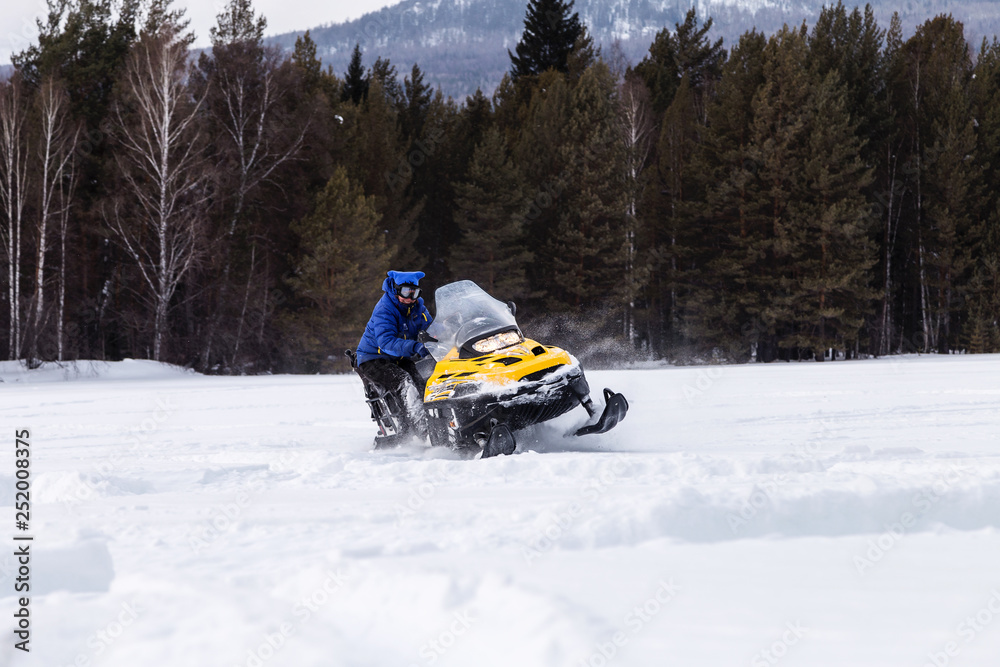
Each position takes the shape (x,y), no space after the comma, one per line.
(471,320)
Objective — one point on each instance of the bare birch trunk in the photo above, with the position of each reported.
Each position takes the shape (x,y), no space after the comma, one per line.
(66,191)
(13,190)
(636,127)
(889,247)
(55,151)
(247,121)
(160,162)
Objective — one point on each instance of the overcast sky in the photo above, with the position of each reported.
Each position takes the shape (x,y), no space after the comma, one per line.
(17,17)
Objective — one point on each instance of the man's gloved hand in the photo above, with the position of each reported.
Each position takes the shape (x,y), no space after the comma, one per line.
(421,351)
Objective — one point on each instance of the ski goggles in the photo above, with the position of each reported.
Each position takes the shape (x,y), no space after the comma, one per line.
(408,291)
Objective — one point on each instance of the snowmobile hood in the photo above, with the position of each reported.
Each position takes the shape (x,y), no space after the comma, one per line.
(507,371)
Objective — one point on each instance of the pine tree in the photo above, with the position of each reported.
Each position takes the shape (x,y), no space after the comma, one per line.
(942,223)
(953,182)
(377,156)
(833,271)
(672,232)
(685,51)
(775,235)
(159,16)
(891,151)
(337,273)
(535,135)
(711,315)
(813,219)
(582,56)
(792,266)
(438,161)
(550,32)
(418,99)
(983,300)
(385,73)
(681,70)
(304,57)
(475,117)
(586,252)
(84,45)
(355,82)
(489,213)
(253,136)
(851,44)
(237,23)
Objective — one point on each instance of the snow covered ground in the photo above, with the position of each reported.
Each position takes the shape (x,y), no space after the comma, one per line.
(796,514)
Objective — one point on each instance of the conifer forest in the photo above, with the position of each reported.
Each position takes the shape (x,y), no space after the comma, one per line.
(830,191)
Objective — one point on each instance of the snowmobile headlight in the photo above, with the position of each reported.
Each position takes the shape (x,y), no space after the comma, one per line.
(497,342)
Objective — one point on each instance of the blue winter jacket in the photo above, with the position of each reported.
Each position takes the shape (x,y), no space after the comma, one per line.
(391,332)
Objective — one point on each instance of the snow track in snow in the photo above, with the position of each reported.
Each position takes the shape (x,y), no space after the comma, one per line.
(834,514)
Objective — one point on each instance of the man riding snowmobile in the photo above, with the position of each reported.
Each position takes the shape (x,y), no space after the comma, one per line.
(482,381)
(384,357)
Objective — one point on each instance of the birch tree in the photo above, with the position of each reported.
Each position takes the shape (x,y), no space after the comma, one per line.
(67,190)
(244,95)
(13,195)
(635,122)
(55,149)
(159,218)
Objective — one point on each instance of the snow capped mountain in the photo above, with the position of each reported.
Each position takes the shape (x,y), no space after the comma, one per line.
(462,44)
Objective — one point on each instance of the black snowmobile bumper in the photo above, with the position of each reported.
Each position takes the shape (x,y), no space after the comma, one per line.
(470,420)
(615,407)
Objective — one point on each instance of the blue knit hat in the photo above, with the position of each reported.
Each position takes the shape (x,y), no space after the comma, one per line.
(405,277)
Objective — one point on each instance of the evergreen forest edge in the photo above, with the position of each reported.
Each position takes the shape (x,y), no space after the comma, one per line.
(823,192)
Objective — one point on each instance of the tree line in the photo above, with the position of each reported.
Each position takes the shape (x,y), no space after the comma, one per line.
(816,193)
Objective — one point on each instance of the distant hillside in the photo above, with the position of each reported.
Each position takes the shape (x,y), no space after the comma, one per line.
(462,44)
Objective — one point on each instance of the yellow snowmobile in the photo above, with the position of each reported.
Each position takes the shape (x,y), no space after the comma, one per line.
(485,380)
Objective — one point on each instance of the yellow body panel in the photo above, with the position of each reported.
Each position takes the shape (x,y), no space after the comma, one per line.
(451,371)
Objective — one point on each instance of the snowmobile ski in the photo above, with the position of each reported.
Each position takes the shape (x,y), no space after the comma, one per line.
(615,407)
(501,442)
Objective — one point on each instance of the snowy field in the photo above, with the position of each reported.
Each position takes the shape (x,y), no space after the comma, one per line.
(809,514)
